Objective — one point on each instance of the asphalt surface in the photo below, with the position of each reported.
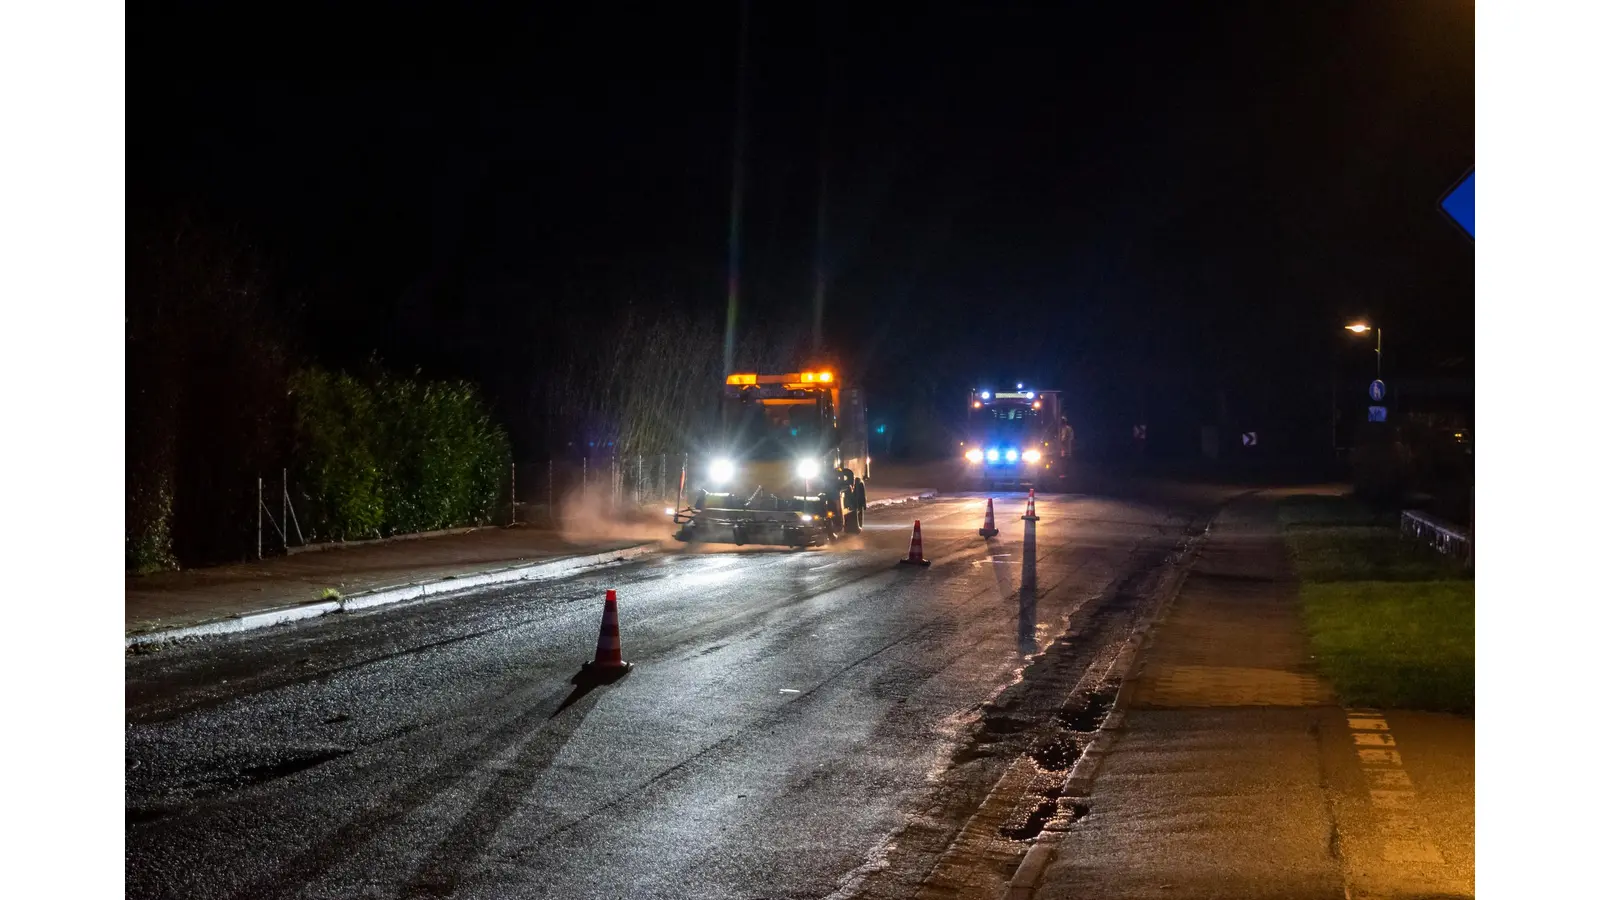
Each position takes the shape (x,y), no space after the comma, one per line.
(790,712)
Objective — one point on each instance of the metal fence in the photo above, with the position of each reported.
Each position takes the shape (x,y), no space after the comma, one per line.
(1442,536)
(534,494)
(609,484)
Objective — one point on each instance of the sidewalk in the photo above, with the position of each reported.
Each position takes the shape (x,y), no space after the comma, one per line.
(171,600)
(1237,774)
(177,599)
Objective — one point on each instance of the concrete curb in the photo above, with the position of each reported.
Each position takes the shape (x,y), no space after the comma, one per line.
(903,500)
(384,596)
(392,539)
(1030,872)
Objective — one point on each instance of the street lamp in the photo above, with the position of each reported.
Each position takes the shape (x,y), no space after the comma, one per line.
(1363,328)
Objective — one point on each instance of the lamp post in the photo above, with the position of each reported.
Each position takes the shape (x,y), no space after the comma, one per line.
(1363,328)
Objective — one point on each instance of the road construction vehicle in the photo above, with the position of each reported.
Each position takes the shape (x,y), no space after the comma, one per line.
(788,464)
(1016,438)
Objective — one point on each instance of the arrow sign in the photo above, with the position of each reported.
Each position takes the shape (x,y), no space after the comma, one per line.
(1249,438)
(1459,203)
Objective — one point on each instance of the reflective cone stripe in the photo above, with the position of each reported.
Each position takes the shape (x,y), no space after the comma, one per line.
(915,556)
(608,651)
(989,529)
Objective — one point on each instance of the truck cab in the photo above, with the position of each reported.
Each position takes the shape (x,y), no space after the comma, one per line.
(1015,439)
(787,464)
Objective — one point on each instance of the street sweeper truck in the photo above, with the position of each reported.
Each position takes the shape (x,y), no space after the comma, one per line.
(787,464)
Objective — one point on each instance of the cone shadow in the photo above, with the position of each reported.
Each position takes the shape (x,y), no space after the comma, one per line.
(1027,622)
(587,679)
(1028,594)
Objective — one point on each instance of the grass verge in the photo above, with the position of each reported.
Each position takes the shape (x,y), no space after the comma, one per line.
(1390,621)
(1394,645)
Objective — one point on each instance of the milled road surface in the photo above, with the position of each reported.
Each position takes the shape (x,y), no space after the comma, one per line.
(790,712)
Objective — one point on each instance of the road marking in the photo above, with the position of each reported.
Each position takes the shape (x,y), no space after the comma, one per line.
(1388,799)
(1405,837)
(1379,757)
(1388,778)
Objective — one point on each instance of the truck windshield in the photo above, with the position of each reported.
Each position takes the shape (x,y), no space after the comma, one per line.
(1008,423)
(772,428)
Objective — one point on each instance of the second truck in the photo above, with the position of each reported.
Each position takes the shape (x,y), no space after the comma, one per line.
(787,465)
(1016,438)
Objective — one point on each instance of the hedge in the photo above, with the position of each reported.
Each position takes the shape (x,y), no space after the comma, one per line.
(390,455)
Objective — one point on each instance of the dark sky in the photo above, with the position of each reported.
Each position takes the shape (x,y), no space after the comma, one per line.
(1139,203)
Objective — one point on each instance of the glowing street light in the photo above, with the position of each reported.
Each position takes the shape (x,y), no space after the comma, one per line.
(1363,328)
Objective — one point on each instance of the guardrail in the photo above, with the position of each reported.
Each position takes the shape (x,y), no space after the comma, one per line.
(1442,536)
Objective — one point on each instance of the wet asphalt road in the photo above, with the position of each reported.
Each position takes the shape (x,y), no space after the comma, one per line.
(788,713)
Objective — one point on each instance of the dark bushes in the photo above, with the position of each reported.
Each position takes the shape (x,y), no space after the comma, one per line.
(392,455)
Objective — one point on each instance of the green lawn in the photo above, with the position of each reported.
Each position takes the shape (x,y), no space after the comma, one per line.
(1394,645)
(1366,553)
(1391,621)
(1312,510)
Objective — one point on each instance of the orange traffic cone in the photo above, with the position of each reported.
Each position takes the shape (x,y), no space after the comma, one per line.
(1030,515)
(915,556)
(988,530)
(608,651)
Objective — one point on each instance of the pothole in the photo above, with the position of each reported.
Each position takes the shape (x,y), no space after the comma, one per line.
(290,766)
(972,751)
(1028,828)
(1057,755)
(1003,725)
(144,815)
(1087,715)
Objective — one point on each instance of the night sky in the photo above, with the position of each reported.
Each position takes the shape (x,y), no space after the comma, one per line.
(1139,204)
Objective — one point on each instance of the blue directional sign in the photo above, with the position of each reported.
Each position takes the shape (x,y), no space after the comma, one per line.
(1377,414)
(1459,204)
(1375,390)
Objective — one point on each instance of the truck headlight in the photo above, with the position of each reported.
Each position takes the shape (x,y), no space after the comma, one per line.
(1031,456)
(721,470)
(974,455)
(807,468)
(993,455)
(1011,455)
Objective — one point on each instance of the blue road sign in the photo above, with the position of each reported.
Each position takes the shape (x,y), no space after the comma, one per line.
(1375,390)
(1459,204)
(1377,414)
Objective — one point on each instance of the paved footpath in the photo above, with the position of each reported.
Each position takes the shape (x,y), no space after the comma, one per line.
(174,600)
(1237,774)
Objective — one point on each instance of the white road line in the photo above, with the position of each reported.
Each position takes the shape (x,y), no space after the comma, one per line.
(1404,835)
